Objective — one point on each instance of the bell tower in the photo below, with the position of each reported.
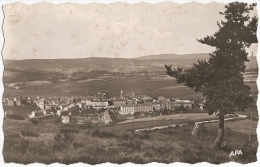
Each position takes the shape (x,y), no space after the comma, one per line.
(121,94)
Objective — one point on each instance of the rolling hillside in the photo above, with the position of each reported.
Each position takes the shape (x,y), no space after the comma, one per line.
(146,63)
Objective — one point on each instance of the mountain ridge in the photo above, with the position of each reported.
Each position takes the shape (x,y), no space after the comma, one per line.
(165,55)
(147,63)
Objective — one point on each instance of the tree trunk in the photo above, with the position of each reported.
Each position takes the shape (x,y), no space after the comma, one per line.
(220,137)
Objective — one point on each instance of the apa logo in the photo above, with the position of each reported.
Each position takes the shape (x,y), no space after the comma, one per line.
(236,152)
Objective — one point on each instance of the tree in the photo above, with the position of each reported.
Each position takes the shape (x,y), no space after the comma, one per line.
(220,79)
(182,108)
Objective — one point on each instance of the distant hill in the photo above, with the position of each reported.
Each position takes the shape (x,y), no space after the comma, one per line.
(60,69)
(200,56)
(145,63)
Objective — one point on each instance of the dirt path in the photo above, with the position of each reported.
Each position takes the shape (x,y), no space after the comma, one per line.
(189,116)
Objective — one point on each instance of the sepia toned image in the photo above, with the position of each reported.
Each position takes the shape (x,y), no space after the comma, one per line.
(95,83)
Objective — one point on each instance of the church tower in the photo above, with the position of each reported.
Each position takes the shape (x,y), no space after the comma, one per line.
(121,94)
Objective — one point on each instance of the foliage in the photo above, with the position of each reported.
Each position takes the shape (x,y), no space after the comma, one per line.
(133,145)
(62,142)
(164,146)
(219,79)
(77,145)
(16,117)
(104,134)
(182,108)
(35,121)
(42,150)
(30,132)
(144,136)
(68,130)
(86,126)
(15,143)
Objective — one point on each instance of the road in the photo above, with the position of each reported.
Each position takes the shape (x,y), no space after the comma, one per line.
(188,116)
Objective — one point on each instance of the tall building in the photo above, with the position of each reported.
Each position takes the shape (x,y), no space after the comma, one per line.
(118,103)
(121,94)
(132,108)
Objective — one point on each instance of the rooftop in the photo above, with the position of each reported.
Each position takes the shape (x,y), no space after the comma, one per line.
(132,105)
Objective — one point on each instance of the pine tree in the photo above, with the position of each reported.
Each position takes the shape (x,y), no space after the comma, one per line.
(220,79)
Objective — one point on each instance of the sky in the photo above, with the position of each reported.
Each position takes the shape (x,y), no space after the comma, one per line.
(118,30)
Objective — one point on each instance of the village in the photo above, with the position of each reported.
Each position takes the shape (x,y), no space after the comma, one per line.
(102,109)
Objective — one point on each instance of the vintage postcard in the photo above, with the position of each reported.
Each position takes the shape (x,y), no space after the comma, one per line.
(130,82)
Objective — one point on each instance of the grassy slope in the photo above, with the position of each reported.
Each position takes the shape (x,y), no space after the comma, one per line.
(166,146)
(21,111)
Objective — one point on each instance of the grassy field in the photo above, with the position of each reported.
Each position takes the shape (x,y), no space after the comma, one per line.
(136,84)
(48,143)
(19,110)
(250,110)
(242,126)
(187,116)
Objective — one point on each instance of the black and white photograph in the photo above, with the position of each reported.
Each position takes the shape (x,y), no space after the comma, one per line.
(125,82)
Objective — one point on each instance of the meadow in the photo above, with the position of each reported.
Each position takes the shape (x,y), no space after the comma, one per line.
(140,85)
(49,143)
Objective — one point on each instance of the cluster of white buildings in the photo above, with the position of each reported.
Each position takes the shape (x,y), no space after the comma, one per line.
(96,103)
(124,104)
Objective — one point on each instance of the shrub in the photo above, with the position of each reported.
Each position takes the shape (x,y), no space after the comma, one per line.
(100,134)
(78,145)
(186,130)
(126,136)
(11,135)
(73,120)
(69,130)
(16,117)
(87,133)
(23,146)
(58,147)
(35,121)
(39,148)
(86,126)
(14,142)
(191,122)
(63,138)
(133,145)
(171,132)
(29,132)
(61,142)
(58,120)
(144,136)
(11,140)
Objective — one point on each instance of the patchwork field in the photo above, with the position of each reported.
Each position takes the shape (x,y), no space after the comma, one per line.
(129,84)
(113,84)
